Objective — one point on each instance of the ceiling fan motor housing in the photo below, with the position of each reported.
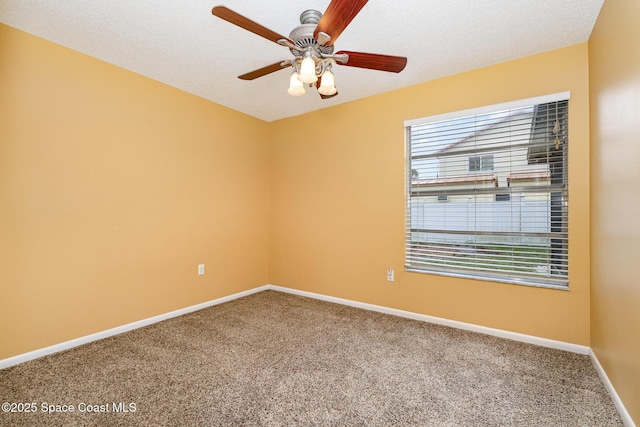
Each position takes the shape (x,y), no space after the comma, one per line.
(302,35)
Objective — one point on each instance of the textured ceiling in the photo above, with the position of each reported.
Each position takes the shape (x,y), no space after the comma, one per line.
(180,43)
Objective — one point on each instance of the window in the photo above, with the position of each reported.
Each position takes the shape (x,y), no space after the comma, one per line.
(503,171)
(481,163)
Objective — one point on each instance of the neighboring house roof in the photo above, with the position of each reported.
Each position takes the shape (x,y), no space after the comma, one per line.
(528,176)
(457,180)
(472,136)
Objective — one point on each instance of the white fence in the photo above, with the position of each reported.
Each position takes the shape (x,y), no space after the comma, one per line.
(515,216)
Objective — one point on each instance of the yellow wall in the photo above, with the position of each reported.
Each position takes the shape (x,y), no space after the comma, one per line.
(116,187)
(337,201)
(113,188)
(615,209)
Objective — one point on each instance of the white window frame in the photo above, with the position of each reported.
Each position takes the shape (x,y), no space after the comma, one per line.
(422,266)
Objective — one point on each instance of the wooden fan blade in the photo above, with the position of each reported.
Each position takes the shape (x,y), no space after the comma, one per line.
(338,15)
(374,61)
(264,70)
(242,22)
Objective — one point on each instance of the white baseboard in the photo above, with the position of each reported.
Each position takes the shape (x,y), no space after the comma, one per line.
(626,418)
(544,342)
(5,363)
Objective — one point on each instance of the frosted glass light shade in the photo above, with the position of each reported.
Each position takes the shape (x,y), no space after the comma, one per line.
(296,88)
(327,84)
(308,71)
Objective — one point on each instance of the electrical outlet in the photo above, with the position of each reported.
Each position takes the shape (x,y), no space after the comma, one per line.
(390,275)
(200,269)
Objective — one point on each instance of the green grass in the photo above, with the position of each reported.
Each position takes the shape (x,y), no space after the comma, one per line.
(486,257)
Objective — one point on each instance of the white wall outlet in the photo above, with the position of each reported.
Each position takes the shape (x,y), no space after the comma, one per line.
(200,269)
(390,276)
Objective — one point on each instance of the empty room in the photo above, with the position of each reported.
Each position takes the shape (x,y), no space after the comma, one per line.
(324,212)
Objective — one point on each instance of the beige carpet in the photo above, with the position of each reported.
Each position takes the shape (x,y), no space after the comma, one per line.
(275,359)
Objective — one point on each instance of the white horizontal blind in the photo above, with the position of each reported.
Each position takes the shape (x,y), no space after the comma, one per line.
(487,195)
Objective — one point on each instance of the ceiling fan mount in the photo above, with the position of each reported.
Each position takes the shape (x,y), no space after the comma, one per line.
(302,36)
(311,44)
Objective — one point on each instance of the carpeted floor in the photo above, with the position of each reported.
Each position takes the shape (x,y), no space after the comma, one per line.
(275,359)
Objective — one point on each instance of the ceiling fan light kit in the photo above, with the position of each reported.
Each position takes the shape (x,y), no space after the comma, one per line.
(311,44)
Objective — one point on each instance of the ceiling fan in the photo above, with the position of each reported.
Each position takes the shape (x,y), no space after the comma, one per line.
(311,44)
